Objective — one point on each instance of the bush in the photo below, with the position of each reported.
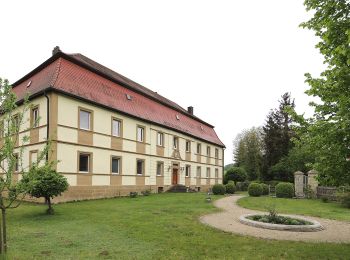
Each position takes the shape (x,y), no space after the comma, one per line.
(219,189)
(146,192)
(255,189)
(242,186)
(324,199)
(230,187)
(345,199)
(133,194)
(235,174)
(265,189)
(284,190)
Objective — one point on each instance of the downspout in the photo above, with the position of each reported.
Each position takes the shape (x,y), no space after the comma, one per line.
(47,122)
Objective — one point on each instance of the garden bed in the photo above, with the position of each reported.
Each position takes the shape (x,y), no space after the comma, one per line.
(282,222)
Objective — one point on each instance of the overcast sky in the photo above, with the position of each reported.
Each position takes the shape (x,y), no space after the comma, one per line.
(231,60)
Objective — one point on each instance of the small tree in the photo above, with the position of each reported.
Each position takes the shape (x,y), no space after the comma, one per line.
(13,120)
(45,182)
(235,174)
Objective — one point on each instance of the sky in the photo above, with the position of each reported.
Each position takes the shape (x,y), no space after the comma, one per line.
(231,60)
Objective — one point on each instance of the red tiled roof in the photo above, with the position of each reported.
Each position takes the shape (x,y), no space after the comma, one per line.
(83,78)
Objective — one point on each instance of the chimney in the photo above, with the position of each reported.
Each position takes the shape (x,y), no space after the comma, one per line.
(56,50)
(190,110)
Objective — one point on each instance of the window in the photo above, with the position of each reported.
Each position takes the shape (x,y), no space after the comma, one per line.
(140,134)
(84,119)
(116,127)
(208,173)
(140,167)
(208,151)
(115,167)
(35,117)
(160,139)
(216,153)
(188,171)
(33,157)
(198,172)
(199,148)
(188,146)
(84,162)
(176,142)
(2,130)
(16,164)
(216,173)
(160,168)
(15,122)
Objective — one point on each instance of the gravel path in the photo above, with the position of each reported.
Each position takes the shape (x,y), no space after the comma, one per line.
(227,220)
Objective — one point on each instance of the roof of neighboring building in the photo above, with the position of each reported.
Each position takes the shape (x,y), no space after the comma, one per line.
(81,77)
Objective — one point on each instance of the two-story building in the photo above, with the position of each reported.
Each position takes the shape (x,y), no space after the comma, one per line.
(111,135)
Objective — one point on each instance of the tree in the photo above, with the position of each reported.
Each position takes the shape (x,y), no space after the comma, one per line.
(277,135)
(45,182)
(248,152)
(329,128)
(235,174)
(12,121)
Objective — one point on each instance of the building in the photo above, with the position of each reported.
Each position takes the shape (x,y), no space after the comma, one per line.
(111,135)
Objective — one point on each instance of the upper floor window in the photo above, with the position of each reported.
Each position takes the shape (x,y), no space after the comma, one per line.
(160,168)
(116,127)
(35,117)
(84,162)
(208,151)
(216,153)
(199,148)
(188,171)
(188,146)
(198,172)
(17,162)
(216,173)
(33,157)
(160,139)
(140,134)
(176,142)
(140,165)
(115,167)
(84,119)
(15,122)
(208,172)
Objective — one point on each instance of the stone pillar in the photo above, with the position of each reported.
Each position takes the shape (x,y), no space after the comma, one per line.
(299,184)
(311,180)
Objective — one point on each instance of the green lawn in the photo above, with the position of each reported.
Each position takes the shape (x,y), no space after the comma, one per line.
(161,226)
(316,208)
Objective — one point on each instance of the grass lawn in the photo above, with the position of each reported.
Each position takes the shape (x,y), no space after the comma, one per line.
(316,208)
(161,226)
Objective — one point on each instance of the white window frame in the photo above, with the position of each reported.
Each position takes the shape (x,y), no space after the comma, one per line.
(160,139)
(119,163)
(188,171)
(80,119)
(119,127)
(88,162)
(161,169)
(188,145)
(140,132)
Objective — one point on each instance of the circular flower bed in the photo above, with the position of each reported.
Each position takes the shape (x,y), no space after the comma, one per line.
(281,222)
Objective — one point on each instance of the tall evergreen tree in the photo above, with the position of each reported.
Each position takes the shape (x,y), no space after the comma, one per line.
(277,135)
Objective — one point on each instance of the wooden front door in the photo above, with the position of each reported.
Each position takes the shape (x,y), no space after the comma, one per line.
(174,182)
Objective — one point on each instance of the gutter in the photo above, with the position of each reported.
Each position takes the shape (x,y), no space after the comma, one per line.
(47,123)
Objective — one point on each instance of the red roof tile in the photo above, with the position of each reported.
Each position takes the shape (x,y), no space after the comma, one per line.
(79,76)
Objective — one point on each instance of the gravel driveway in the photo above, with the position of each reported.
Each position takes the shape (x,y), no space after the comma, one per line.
(227,220)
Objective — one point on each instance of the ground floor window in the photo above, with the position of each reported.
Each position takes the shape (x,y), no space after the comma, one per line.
(208,172)
(160,168)
(140,167)
(216,173)
(115,167)
(84,162)
(188,171)
(198,172)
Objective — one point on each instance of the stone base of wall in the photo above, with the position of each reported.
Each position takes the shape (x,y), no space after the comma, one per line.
(77,193)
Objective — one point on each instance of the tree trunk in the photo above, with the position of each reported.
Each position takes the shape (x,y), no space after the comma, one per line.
(1,244)
(50,209)
(4,239)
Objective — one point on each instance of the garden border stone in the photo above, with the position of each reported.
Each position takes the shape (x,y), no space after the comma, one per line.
(316,226)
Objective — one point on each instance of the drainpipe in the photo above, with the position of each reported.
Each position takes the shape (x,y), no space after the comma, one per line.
(47,122)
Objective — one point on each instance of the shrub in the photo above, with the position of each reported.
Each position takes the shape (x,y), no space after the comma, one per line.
(230,187)
(265,189)
(235,174)
(345,199)
(285,190)
(133,194)
(242,186)
(255,189)
(146,192)
(219,189)
(324,199)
